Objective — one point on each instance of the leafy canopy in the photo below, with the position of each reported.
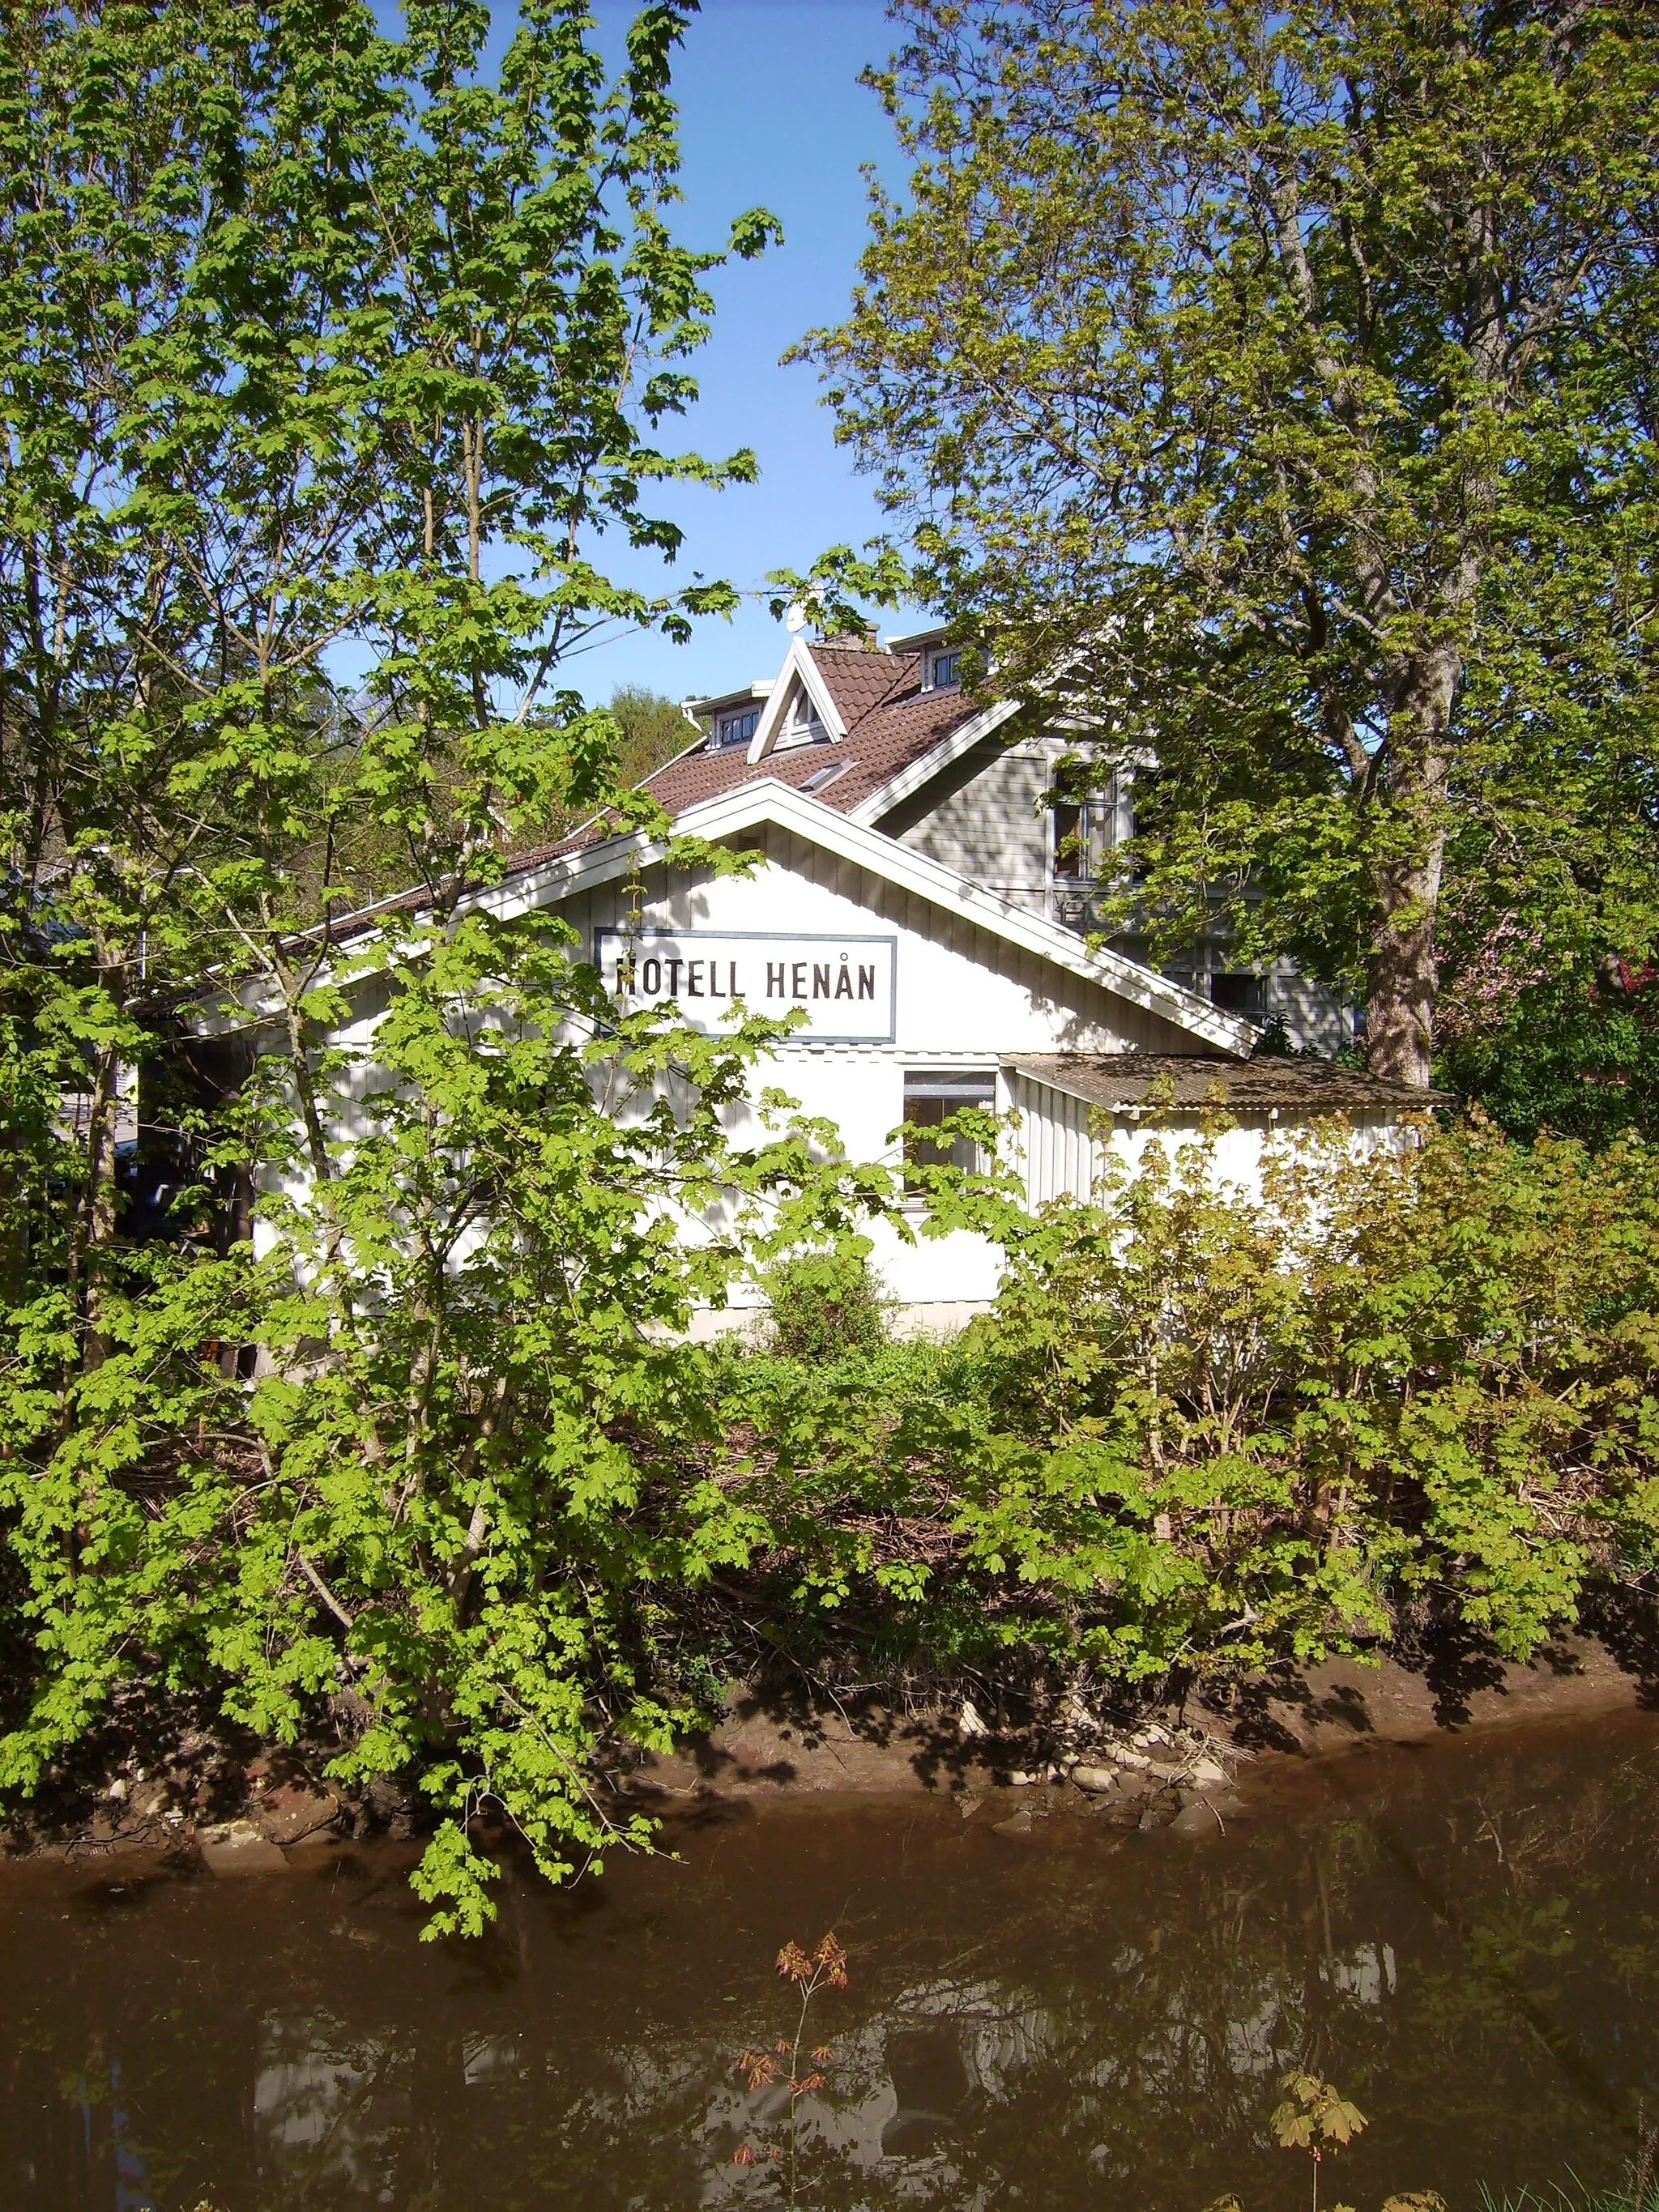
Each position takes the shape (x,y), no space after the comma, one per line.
(1268,395)
(330,362)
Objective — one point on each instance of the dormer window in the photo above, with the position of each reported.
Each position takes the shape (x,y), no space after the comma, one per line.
(800,709)
(801,725)
(945,671)
(736,729)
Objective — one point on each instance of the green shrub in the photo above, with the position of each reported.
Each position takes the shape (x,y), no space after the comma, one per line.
(824,1306)
(1222,1431)
(1202,1433)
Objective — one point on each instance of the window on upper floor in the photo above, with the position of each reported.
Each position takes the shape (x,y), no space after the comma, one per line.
(932,1096)
(800,725)
(1235,992)
(1084,834)
(737,728)
(945,671)
(1087,829)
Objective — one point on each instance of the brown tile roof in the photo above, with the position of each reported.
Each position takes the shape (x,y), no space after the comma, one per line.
(890,721)
(859,682)
(1124,1079)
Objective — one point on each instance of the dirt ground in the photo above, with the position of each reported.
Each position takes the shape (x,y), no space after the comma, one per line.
(768,1746)
(243,1811)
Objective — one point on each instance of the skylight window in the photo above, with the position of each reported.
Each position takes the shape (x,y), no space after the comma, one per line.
(820,777)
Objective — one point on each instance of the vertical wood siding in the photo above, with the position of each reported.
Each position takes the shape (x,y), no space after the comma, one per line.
(1059,1152)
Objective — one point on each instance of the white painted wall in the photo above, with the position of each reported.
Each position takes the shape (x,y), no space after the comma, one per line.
(1066,1144)
(960,987)
(964,998)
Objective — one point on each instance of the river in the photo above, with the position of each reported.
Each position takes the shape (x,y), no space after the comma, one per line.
(1463,1937)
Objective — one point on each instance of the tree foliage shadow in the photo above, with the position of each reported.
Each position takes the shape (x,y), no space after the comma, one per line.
(1248,1708)
(931,1745)
(1627,1621)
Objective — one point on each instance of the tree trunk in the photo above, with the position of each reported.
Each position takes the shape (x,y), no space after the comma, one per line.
(99,1212)
(1401,976)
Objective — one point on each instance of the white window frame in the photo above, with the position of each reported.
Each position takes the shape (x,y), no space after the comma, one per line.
(1081,869)
(953,1088)
(802,724)
(1104,808)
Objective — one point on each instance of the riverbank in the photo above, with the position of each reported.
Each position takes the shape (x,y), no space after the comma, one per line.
(770,1743)
(1185,1767)
(243,1809)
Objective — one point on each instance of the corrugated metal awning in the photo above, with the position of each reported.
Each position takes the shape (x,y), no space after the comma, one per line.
(1123,1081)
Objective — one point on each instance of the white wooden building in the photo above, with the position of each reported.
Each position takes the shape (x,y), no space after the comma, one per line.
(922,991)
(889,737)
(904,903)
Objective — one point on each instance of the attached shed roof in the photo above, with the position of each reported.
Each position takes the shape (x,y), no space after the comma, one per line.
(1124,1080)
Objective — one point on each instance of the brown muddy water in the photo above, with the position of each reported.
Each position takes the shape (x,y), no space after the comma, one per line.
(1464,1937)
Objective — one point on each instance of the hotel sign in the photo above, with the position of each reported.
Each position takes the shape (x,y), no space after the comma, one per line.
(843,985)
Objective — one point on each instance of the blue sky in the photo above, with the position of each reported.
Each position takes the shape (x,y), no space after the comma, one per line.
(772,115)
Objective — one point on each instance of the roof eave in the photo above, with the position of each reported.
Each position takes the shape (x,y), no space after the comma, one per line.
(1039,1068)
(916,774)
(766,798)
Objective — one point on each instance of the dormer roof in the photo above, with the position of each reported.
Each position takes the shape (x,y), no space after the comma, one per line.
(801,678)
(881,722)
(917,641)
(699,710)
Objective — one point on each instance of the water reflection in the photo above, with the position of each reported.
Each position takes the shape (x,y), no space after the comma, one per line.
(1465,1939)
(328,2108)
